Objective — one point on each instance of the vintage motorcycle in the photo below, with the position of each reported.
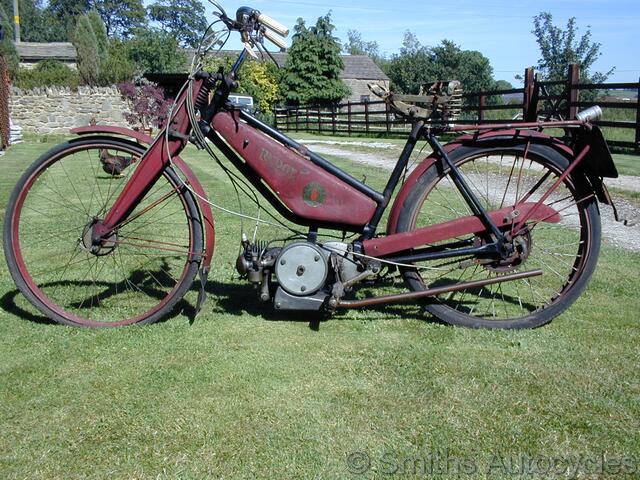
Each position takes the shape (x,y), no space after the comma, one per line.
(498,228)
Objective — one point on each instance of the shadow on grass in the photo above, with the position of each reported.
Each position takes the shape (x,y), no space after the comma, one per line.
(237,299)
(240,298)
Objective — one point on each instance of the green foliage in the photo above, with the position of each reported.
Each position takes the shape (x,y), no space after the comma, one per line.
(560,48)
(119,67)
(47,73)
(7,48)
(257,79)
(88,59)
(355,45)
(61,17)
(35,25)
(155,51)
(100,32)
(417,65)
(185,19)
(312,70)
(121,17)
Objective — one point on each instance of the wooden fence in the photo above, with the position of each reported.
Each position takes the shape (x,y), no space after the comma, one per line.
(620,122)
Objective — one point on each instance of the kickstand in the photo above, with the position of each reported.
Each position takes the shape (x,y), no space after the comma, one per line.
(203,273)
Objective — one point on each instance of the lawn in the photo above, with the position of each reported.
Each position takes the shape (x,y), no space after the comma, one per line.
(244,392)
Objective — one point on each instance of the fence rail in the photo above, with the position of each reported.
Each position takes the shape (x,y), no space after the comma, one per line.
(621,120)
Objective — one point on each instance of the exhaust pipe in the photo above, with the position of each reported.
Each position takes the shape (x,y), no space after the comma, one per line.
(590,114)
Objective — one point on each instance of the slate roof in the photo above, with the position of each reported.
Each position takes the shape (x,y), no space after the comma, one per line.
(32,51)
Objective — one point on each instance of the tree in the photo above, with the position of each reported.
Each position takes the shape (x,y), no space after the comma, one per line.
(559,48)
(61,17)
(155,51)
(35,24)
(7,47)
(100,32)
(119,67)
(417,65)
(450,62)
(185,19)
(121,17)
(313,66)
(84,39)
(355,45)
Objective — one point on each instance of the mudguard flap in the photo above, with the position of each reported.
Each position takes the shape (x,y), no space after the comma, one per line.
(598,162)
(192,180)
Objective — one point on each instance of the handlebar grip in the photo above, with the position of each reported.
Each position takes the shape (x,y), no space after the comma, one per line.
(273,25)
(277,41)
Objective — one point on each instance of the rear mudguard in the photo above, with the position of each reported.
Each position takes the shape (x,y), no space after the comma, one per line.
(192,180)
(596,164)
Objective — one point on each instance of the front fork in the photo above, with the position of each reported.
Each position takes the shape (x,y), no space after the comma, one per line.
(169,143)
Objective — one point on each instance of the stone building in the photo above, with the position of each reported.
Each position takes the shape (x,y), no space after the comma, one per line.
(31,53)
(359,70)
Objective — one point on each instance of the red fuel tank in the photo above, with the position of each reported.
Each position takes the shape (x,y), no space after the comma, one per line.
(305,188)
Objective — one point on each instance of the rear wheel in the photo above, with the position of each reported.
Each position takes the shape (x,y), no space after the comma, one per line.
(565,251)
(136,275)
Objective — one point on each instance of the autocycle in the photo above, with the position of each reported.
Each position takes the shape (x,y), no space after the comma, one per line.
(498,228)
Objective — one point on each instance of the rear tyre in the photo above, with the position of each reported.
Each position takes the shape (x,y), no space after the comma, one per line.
(566,252)
(137,275)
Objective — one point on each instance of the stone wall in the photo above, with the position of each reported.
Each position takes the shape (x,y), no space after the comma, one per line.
(58,109)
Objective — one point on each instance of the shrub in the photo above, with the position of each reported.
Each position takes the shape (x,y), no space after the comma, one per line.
(147,103)
(47,73)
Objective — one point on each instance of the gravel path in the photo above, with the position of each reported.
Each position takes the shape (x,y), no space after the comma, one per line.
(627,237)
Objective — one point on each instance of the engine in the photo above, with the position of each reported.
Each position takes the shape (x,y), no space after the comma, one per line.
(307,275)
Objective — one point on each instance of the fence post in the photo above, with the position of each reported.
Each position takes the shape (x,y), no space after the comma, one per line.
(529,107)
(333,118)
(386,113)
(319,118)
(482,100)
(573,79)
(637,149)
(349,118)
(366,116)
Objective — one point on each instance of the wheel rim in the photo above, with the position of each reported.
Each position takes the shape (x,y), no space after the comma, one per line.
(558,249)
(134,274)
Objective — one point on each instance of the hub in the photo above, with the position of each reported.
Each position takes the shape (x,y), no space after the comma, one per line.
(520,250)
(101,247)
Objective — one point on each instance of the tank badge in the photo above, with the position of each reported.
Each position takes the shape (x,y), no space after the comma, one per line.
(314,194)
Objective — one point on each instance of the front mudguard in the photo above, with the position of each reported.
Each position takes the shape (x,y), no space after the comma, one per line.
(597,164)
(192,180)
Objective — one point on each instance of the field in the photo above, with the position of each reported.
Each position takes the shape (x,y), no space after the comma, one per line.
(245,392)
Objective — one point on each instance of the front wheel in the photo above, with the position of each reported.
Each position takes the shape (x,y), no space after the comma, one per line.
(137,275)
(566,251)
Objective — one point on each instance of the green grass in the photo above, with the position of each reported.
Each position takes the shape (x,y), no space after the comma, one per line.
(627,164)
(243,392)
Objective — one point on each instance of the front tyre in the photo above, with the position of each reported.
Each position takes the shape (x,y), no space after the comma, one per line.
(566,251)
(137,275)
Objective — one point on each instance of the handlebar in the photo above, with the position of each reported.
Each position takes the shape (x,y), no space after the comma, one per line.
(249,19)
(273,25)
(277,41)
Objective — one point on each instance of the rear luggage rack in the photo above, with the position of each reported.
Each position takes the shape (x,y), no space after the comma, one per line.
(439,102)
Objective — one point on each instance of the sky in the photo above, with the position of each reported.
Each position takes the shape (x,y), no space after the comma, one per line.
(500,30)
